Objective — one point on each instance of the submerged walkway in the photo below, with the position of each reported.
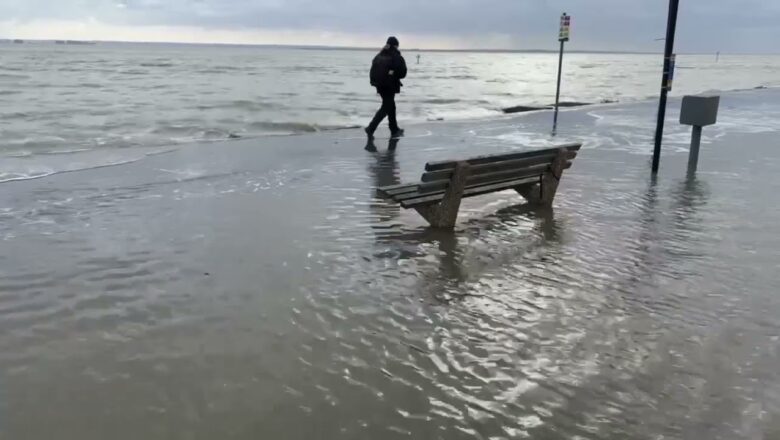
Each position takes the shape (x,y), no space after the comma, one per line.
(260,289)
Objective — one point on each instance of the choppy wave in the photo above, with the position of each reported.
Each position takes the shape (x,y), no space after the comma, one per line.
(144,98)
(15,115)
(157,64)
(13,76)
(43,142)
(456,77)
(226,68)
(133,72)
(441,101)
(295,127)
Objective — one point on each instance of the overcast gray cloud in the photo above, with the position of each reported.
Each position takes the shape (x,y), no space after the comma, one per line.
(705,25)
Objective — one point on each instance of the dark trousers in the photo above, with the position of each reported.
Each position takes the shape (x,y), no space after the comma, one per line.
(387,110)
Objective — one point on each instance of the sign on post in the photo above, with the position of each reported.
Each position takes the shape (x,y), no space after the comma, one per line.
(565,27)
(672,65)
(563,37)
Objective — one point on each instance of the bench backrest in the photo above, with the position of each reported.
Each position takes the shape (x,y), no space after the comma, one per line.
(486,170)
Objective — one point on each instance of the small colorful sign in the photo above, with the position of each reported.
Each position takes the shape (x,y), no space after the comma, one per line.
(672,65)
(565,28)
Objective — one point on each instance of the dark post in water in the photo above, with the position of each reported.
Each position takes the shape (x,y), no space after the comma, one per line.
(563,37)
(666,82)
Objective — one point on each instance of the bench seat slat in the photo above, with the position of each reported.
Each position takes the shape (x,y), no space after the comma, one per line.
(392,187)
(437,188)
(481,160)
(495,167)
(470,192)
(394,190)
(484,179)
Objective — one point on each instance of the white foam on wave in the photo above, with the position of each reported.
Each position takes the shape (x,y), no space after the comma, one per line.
(21,168)
(69,151)
(15,177)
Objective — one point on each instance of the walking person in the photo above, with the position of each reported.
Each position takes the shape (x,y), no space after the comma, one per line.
(387,71)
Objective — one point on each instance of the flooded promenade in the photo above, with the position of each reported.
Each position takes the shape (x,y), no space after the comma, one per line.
(259,289)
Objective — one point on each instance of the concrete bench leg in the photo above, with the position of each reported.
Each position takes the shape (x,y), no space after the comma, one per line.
(543,193)
(444,215)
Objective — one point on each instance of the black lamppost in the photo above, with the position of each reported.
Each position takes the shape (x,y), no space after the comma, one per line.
(666,85)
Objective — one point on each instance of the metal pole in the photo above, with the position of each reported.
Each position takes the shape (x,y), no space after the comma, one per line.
(558,90)
(693,158)
(674,6)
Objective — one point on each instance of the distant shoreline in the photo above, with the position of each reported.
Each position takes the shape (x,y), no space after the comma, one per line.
(357,48)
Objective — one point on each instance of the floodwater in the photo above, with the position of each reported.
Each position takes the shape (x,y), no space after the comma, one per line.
(260,289)
(74,99)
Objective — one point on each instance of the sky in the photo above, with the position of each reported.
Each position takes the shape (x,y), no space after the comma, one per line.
(705,26)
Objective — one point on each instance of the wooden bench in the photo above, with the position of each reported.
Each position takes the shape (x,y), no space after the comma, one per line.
(533,174)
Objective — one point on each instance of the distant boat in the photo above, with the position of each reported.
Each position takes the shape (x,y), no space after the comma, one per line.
(18,41)
(75,42)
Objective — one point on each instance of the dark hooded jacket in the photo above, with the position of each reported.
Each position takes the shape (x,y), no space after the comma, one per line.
(397,64)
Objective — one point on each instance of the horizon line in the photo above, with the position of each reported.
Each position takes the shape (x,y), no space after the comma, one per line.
(7,40)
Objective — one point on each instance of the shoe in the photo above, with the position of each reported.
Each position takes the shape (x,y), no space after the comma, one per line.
(397,133)
(369,133)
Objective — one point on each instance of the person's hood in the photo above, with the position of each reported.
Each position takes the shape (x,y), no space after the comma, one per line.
(388,49)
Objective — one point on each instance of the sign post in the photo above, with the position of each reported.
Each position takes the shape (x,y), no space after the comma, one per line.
(666,82)
(563,37)
(698,111)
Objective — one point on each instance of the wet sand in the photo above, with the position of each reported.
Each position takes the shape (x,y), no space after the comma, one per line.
(260,289)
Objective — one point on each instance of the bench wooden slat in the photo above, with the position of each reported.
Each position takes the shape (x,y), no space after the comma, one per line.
(480,160)
(435,188)
(498,177)
(394,190)
(470,192)
(494,167)
(484,179)
(386,190)
(441,188)
(392,187)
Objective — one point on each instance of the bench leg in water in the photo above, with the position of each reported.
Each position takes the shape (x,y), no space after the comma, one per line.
(543,193)
(444,215)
